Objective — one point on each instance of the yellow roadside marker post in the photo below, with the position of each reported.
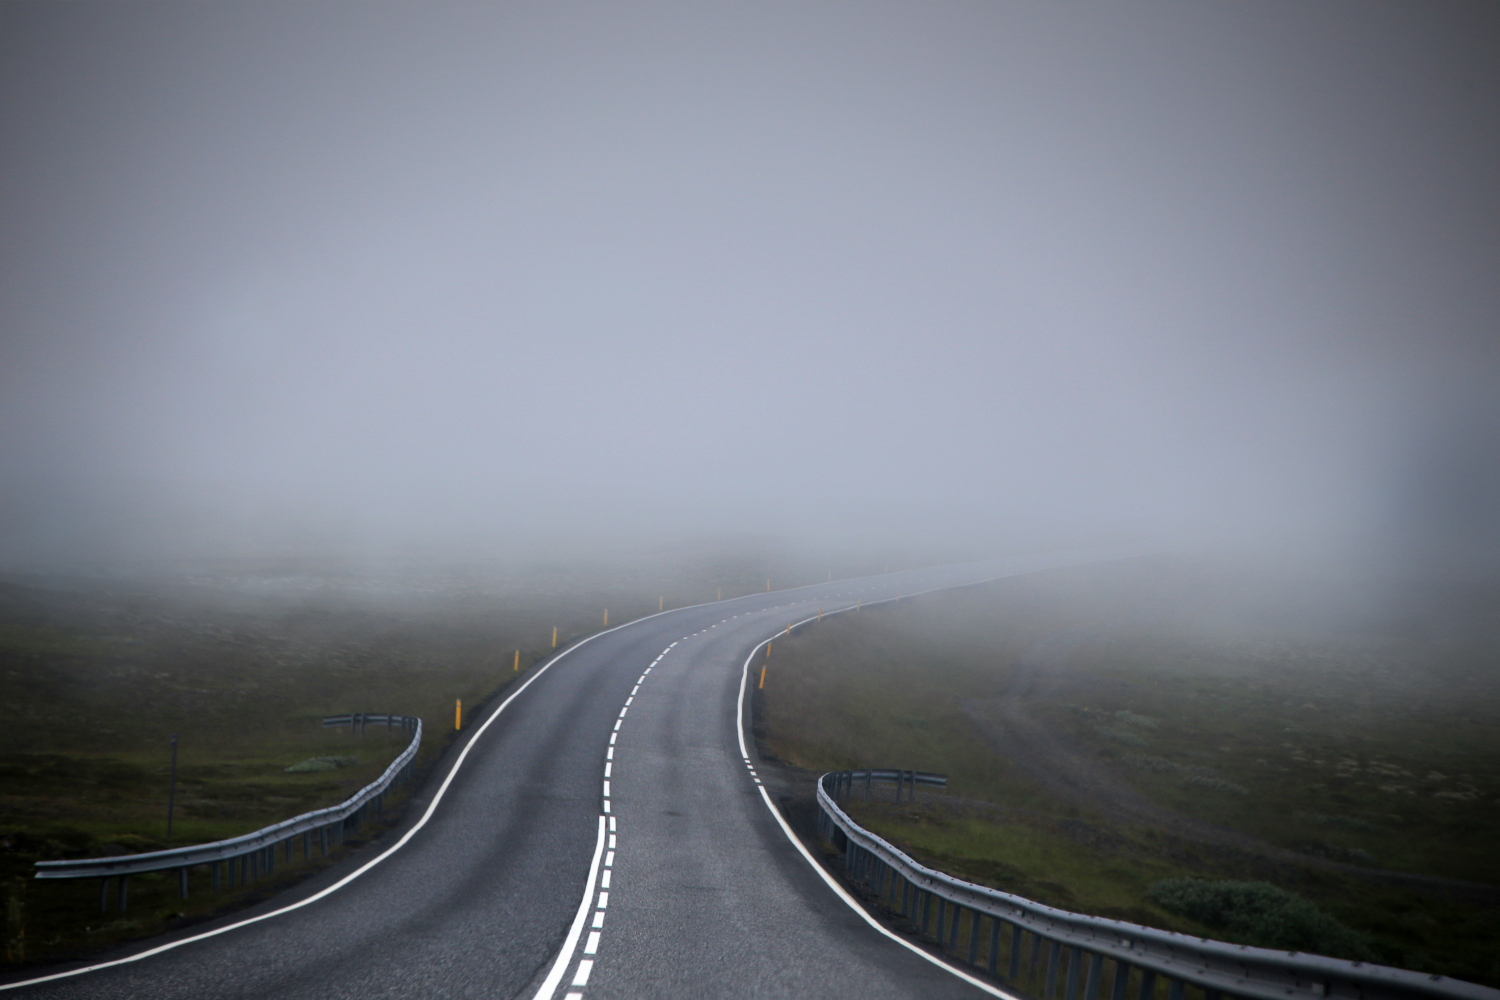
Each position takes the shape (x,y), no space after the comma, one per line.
(820,616)
(762,675)
(788,628)
(554,637)
(458,714)
(606,618)
(659,601)
(518,661)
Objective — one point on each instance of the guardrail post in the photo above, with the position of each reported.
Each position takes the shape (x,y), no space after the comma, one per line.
(1054,951)
(1096,973)
(973,936)
(123,880)
(1122,980)
(1148,984)
(926,909)
(1174,991)
(1015,951)
(942,913)
(1075,967)
(956,912)
(214,876)
(182,874)
(868,779)
(994,958)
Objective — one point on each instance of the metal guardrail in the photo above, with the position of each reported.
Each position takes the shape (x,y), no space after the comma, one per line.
(246,858)
(1219,969)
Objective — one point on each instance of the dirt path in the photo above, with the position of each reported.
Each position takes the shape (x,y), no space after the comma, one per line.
(1071,773)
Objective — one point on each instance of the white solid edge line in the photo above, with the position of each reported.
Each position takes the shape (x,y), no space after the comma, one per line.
(570,943)
(431,808)
(822,872)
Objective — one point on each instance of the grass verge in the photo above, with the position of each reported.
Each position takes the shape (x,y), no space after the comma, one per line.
(1209,745)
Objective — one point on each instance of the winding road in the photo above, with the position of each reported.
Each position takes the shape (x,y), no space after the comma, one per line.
(601,833)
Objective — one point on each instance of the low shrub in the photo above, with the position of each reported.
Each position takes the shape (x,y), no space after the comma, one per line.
(322,764)
(1258,913)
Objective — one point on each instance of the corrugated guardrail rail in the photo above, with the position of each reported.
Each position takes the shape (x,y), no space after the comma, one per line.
(1000,926)
(248,857)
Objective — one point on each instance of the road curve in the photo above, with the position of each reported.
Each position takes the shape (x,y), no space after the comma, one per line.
(603,837)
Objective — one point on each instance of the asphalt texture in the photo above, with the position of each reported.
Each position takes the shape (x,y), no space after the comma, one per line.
(707,896)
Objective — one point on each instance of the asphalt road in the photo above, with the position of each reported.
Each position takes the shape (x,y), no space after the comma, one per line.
(603,837)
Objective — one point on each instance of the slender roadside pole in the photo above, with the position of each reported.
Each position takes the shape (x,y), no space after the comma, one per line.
(172,787)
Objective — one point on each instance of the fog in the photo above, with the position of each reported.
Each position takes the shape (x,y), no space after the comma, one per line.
(548,277)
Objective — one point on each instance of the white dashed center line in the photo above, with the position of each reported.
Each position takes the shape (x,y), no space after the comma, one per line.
(590,948)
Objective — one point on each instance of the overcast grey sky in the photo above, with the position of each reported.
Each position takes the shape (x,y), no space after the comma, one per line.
(277,276)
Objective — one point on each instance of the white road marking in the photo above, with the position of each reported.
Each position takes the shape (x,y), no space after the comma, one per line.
(629,700)
(609,860)
(607,768)
(554,976)
(604,897)
(612,737)
(377,859)
(606,789)
(609,753)
(581,977)
(604,880)
(822,873)
(617,724)
(598,918)
(591,946)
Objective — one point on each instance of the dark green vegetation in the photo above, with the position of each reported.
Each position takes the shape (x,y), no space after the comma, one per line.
(1111,729)
(1256,911)
(97,674)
